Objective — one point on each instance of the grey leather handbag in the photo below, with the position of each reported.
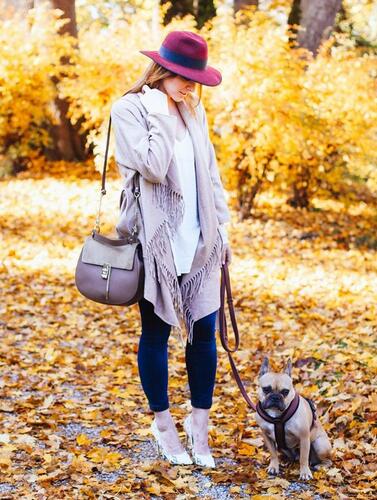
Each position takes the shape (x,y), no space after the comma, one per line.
(111,270)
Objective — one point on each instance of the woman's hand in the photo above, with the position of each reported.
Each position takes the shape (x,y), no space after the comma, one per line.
(154,100)
(226,255)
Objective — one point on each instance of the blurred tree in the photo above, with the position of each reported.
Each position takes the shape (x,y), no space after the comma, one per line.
(317,18)
(359,21)
(240,4)
(9,6)
(179,8)
(204,12)
(201,10)
(69,144)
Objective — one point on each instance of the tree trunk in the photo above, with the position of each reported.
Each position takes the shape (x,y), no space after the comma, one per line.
(202,10)
(300,196)
(69,144)
(317,17)
(179,8)
(240,4)
(294,19)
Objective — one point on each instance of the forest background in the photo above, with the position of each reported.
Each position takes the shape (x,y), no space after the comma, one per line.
(294,124)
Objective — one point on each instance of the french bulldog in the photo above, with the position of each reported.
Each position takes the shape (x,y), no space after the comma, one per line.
(305,438)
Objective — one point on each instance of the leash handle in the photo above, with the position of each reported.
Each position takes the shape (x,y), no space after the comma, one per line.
(225,286)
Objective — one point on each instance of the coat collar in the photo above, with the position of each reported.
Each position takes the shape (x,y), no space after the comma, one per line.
(197,136)
(190,121)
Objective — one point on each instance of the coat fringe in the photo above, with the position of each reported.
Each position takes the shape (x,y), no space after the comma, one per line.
(155,251)
(172,203)
(156,248)
(193,287)
(169,201)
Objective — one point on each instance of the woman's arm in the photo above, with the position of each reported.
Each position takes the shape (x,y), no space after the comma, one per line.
(147,151)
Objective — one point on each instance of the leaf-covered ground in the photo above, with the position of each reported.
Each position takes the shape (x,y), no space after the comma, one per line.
(74,419)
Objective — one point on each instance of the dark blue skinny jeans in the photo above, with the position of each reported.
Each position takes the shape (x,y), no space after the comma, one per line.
(152,357)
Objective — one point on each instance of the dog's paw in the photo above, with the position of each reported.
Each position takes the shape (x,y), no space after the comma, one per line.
(273,469)
(305,474)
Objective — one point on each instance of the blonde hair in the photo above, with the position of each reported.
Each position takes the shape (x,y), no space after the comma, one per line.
(154,73)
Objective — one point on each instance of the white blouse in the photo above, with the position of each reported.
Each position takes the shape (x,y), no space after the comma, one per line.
(186,238)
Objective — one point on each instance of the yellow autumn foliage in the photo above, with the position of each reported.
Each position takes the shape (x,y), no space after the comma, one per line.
(30,53)
(279,119)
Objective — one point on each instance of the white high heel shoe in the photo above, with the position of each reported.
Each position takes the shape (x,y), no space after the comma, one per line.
(200,459)
(178,458)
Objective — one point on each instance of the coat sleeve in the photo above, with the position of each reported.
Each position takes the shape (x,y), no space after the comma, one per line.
(147,150)
(223,213)
(224,232)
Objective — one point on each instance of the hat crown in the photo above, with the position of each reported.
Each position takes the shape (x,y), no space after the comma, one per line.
(186,54)
(187,44)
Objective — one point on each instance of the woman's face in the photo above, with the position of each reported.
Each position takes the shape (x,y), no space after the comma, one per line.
(177,87)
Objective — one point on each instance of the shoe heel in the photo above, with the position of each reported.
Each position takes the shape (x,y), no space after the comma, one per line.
(198,459)
(188,441)
(178,459)
(158,449)
(188,430)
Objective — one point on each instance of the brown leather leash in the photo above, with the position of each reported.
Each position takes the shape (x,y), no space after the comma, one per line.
(225,285)
(279,422)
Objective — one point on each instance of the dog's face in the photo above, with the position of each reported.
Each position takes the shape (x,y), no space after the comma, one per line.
(275,389)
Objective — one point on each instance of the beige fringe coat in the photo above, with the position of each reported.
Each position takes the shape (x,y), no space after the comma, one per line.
(144,143)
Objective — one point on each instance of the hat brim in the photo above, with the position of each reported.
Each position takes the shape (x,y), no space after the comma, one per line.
(209,76)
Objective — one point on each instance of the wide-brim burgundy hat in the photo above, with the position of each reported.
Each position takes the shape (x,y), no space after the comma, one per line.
(186,53)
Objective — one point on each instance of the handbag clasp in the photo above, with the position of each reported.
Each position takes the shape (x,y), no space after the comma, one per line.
(105,274)
(105,271)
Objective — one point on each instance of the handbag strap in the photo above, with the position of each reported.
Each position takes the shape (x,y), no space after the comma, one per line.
(225,286)
(136,190)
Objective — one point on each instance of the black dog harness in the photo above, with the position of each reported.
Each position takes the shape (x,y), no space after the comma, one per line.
(279,422)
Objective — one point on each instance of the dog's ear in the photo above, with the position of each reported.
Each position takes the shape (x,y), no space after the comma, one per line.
(264,367)
(288,368)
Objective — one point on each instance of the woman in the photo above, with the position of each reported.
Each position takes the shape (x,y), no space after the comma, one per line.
(161,133)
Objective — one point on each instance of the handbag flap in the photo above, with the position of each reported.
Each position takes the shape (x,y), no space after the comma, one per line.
(98,253)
